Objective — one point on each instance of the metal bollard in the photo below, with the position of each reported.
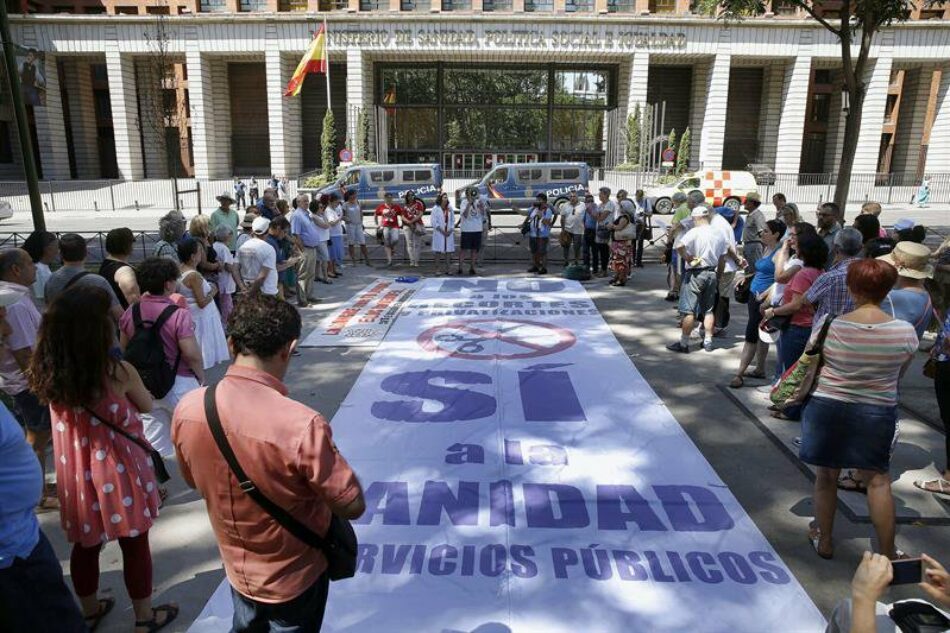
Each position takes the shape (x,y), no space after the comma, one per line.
(95,205)
(136,205)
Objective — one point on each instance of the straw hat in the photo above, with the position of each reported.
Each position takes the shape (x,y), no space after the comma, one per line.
(225,196)
(911,260)
(248,220)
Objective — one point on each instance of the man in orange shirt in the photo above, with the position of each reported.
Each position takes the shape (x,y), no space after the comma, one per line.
(287,450)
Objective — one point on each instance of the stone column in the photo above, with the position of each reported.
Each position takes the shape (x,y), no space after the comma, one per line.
(872,117)
(122,96)
(773,81)
(713,136)
(51,127)
(150,117)
(82,118)
(284,114)
(354,97)
(938,150)
(210,115)
(791,124)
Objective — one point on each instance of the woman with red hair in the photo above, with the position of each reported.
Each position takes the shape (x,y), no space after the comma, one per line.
(851,418)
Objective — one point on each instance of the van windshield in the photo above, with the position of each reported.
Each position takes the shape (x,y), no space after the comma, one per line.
(688,183)
(496,176)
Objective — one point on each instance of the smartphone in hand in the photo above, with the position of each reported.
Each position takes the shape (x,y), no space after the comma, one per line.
(907,571)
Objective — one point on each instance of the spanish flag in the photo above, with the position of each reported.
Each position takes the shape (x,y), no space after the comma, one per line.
(314,61)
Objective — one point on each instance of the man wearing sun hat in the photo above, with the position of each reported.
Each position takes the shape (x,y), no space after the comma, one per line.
(754,226)
(909,300)
(223,215)
(257,261)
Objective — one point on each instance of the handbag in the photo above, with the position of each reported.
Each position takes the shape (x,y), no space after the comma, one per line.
(743,290)
(379,234)
(158,463)
(565,239)
(930,368)
(339,545)
(628,232)
(799,380)
(526,226)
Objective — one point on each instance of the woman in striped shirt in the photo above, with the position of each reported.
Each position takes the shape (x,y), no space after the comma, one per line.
(850,419)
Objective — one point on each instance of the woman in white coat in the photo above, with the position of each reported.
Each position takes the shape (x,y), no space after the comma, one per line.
(442,221)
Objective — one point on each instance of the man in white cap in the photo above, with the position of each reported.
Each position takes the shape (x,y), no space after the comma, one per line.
(257,261)
(223,215)
(704,249)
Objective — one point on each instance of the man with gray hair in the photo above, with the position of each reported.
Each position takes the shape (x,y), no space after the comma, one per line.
(829,294)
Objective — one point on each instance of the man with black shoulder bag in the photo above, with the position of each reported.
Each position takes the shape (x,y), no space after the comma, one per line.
(280,496)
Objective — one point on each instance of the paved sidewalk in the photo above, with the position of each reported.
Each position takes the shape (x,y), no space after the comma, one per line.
(769,484)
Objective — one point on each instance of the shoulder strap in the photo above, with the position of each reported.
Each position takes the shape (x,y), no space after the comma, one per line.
(135,440)
(822,335)
(76,278)
(137,316)
(280,515)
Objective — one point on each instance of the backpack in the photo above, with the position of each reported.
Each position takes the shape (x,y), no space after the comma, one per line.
(146,352)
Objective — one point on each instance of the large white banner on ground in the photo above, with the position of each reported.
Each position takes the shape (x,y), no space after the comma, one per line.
(521,476)
(363,320)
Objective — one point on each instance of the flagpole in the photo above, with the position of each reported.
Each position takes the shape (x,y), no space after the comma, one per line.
(326,55)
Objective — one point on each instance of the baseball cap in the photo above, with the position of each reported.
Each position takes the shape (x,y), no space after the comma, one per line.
(700,212)
(904,224)
(260,225)
(769,332)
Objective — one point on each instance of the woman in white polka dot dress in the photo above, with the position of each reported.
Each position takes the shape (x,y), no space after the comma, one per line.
(105,481)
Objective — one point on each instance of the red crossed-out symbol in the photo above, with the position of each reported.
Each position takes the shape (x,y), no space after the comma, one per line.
(495,339)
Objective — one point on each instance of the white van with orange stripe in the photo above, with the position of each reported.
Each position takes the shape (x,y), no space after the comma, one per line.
(721,189)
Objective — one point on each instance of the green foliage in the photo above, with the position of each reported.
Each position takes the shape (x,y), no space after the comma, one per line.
(362,136)
(628,166)
(633,136)
(671,141)
(314,182)
(667,179)
(682,155)
(646,133)
(328,146)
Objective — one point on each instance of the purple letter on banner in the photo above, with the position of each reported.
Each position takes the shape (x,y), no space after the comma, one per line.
(457,404)
(540,507)
(549,396)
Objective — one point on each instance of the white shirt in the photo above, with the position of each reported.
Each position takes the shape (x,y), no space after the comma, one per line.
(333,214)
(707,243)
(779,290)
(226,283)
(473,217)
(723,227)
(323,233)
(574,218)
(254,255)
(43,273)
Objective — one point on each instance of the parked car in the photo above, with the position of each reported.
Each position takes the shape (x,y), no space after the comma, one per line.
(764,175)
(6,211)
(513,186)
(373,182)
(721,188)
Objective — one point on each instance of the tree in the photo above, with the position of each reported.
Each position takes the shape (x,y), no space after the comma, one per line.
(328,146)
(682,154)
(860,21)
(362,136)
(633,136)
(671,141)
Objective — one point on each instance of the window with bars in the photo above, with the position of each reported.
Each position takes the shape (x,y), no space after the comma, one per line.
(252,5)
(620,6)
(538,6)
(334,5)
(496,5)
(212,6)
(579,6)
(456,5)
(662,6)
(292,5)
(374,5)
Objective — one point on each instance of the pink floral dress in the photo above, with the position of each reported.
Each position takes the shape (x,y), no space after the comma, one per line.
(105,482)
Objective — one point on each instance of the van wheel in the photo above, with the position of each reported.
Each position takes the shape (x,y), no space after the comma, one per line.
(557,204)
(663,206)
(732,203)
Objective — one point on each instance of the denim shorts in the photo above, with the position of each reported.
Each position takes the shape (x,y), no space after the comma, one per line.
(698,293)
(837,434)
(31,412)
(538,245)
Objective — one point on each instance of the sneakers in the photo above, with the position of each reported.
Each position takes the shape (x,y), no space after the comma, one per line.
(678,348)
(707,346)
(533,269)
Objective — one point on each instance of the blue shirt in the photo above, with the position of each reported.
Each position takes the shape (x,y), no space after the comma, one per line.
(21,487)
(302,226)
(910,306)
(538,227)
(764,273)
(589,221)
(275,243)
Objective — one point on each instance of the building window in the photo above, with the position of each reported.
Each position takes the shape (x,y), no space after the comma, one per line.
(538,6)
(496,5)
(456,5)
(483,85)
(292,5)
(127,10)
(100,98)
(99,10)
(582,87)
(820,108)
(334,5)
(6,143)
(620,6)
(157,10)
(662,6)
(169,99)
(783,7)
(213,6)
(374,5)
(823,76)
(252,5)
(889,108)
(415,5)
(579,6)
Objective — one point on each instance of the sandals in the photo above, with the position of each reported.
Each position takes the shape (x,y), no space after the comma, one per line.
(780,415)
(936,486)
(758,375)
(105,606)
(849,482)
(170,611)
(736,383)
(814,537)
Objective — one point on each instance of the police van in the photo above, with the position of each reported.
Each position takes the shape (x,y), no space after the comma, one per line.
(373,182)
(721,189)
(513,186)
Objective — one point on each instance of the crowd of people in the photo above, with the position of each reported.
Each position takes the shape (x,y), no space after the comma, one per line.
(108,367)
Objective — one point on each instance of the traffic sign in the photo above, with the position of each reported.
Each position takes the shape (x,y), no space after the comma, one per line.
(346,155)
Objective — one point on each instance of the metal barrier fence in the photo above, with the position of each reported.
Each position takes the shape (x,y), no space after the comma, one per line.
(129,195)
